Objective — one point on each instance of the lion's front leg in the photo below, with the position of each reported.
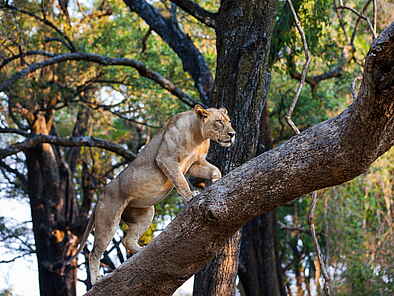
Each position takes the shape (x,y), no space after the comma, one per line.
(171,169)
(205,170)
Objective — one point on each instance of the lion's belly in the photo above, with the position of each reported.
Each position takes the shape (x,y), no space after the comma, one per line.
(150,186)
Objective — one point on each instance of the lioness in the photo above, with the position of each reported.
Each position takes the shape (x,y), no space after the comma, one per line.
(180,148)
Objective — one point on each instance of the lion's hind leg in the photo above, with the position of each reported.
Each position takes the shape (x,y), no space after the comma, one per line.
(138,220)
(107,218)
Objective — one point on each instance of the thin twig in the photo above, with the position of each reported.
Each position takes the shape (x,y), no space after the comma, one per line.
(363,10)
(297,131)
(375,14)
(362,17)
(304,69)
(13,259)
(326,287)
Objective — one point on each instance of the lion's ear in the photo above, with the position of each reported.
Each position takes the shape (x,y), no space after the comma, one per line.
(200,111)
(224,110)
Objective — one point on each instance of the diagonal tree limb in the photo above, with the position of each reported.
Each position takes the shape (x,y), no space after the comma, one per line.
(327,154)
(195,10)
(193,61)
(68,142)
(105,61)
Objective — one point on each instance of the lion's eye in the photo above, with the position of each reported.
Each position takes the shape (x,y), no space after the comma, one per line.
(219,123)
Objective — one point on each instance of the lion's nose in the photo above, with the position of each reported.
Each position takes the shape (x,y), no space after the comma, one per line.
(231,134)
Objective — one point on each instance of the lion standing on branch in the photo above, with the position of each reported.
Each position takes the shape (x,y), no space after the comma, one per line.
(180,148)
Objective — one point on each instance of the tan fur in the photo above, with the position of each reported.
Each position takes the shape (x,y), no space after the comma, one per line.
(181,148)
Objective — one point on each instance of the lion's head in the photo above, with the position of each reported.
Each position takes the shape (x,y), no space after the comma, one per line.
(216,125)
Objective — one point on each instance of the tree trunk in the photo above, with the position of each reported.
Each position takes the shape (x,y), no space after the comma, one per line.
(241,86)
(53,211)
(218,277)
(259,267)
(327,154)
(258,264)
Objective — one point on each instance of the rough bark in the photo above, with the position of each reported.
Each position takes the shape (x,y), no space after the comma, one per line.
(241,80)
(54,211)
(218,277)
(327,154)
(259,267)
(258,263)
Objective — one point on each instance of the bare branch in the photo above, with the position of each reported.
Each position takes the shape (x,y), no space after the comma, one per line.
(96,106)
(206,17)
(293,228)
(311,216)
(297,131)
(15,258)
(25,54)
(358,22)
(145,39)
(21,177)
(7,130)
(313,81)
(67,41)
(105,61)
(375,15)
(68,142)
(370,26)
(304,69)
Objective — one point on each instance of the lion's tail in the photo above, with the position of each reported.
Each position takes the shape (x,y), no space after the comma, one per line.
(85,236)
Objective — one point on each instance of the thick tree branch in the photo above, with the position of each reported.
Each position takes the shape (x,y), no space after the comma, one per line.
(192,8)
(192,59)
(327,154)
(105,61)
(25,54)
(68,142)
